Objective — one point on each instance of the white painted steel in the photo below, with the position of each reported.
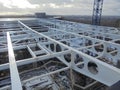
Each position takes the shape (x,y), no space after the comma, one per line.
(57,32)
(15,79)
(104,69)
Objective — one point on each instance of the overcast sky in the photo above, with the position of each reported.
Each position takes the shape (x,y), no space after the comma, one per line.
(59,7)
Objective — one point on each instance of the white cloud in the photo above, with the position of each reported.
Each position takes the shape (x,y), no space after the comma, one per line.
(64,5)
(43,5)
(53,5)
(18,3)
(68,5)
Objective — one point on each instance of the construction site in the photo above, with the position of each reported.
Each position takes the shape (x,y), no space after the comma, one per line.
(46,53)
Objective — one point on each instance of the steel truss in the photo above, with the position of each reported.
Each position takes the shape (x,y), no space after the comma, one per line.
(94,51)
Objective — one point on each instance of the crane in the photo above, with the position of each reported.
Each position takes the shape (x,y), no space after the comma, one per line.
(97,11)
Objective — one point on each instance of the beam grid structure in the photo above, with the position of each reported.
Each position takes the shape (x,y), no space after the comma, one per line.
(109,38)
(87,57)
(48,49)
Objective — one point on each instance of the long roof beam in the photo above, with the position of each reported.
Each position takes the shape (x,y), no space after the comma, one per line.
(15,79)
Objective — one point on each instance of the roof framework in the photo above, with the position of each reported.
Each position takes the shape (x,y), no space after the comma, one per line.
(94,50)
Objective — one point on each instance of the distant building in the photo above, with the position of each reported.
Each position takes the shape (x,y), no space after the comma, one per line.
(40,15)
